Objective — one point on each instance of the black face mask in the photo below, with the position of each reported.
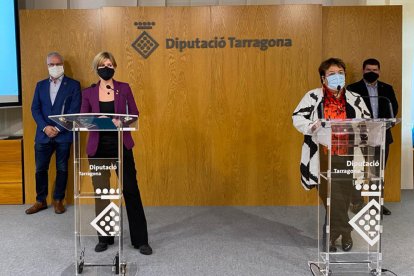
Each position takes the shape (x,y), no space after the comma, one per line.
(106,73)
(371,77)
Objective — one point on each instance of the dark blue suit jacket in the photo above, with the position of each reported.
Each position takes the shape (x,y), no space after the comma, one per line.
(68,97)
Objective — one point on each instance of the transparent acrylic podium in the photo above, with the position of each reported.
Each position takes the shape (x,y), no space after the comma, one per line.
(350,192)
(98,203)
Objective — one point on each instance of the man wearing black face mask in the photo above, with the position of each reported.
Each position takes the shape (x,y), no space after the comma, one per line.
(374,93)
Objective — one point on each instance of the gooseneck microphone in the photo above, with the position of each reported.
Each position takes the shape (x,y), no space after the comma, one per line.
(382,97)
(64,103)
(338,88)
(126,102)
(71,95)
(62,118)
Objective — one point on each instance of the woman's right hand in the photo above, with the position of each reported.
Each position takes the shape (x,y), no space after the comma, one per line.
(315,126)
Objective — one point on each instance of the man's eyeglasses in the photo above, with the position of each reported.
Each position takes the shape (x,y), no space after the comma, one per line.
(54,64)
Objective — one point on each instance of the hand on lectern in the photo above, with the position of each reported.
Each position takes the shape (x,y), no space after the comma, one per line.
(315,125)
(117,122)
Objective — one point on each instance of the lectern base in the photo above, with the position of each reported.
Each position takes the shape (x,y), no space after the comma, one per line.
(343,269)
(130,269)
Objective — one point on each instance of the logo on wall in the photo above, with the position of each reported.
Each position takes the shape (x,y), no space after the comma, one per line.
(145,45)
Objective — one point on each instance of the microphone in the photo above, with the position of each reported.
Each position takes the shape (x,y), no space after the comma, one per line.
(382,97)
(338,88)
(71,95)
(62,118)
(64,103)
(127,118)
(109,87)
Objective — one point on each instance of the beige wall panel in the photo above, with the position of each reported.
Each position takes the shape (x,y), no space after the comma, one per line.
(11,172)
(10,150)
(357,33)
(215,125)
(73,33)
(11,181)
(11,193)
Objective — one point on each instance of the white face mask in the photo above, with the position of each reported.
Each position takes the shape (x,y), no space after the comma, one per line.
(335,81)
(56,71)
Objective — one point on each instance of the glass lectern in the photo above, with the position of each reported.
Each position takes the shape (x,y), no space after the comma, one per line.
(351,195)
(97,193)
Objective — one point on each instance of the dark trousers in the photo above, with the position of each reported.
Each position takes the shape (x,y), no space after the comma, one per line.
(43,154)
(341,193)
(135,211)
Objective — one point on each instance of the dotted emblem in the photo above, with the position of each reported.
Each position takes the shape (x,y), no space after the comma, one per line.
(367,222)
(145,44)
(107,223)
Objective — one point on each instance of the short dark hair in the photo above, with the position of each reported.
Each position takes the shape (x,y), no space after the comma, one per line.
(371,61)
(328,63)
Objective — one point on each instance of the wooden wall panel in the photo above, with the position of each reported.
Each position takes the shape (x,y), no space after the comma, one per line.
(11,180)
(357,33)
(11,193)
(215,124)
(76,35)
(11,171)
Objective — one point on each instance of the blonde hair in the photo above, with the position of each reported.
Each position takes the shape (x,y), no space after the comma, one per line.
(99,60)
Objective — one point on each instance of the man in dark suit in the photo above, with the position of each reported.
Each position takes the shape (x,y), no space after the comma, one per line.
(377,96)
(55,95)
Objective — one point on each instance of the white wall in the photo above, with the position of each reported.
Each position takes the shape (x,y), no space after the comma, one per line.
(407,92)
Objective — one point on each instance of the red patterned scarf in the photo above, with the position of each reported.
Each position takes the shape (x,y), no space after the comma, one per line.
(335,108)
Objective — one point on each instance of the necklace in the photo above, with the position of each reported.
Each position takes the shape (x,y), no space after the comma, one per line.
(108,90)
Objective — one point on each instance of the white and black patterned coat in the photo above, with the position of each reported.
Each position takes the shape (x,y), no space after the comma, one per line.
(306,113)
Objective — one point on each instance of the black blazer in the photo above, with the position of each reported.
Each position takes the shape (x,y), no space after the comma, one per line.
(384,90)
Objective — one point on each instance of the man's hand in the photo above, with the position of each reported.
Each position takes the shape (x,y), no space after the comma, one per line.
(51,131)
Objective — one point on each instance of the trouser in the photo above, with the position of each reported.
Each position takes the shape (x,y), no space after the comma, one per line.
(43,154)
(341,192)
(135,211)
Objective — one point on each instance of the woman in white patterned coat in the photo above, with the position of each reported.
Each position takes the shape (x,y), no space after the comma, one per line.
(331,101)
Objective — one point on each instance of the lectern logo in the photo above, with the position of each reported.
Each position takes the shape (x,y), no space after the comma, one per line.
(107,223)
(145,45)
(367,222)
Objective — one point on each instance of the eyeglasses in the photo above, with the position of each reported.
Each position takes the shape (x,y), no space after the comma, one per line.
(54,64)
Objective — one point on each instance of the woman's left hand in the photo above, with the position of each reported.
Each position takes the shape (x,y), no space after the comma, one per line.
(117,122)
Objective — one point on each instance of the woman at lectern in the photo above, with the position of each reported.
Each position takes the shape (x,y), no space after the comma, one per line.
(111,96)
(330,101)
